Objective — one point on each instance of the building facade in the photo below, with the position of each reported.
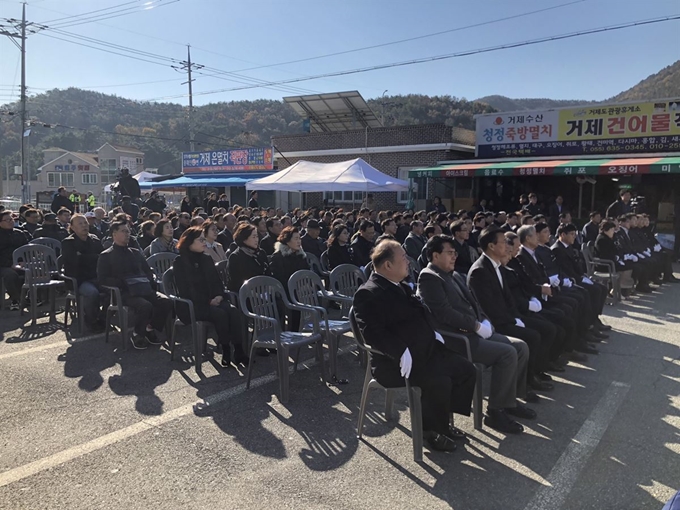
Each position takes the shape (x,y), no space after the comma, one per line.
(85,171)
(392,150)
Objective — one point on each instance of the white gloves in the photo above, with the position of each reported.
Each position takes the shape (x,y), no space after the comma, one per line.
(641,256)
(518,322)
(405,363)
(485,330)
(647,252)
(438,337)
(586,280)
(555,281)
(535,305)
(634,258)
(566,283)
(657,248)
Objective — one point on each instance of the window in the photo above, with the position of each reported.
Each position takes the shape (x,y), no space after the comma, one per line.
(402,173)
(109,169)
(89,178)
(343,197)
(56,179)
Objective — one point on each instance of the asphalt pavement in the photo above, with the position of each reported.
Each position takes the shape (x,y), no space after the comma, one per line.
(87,425)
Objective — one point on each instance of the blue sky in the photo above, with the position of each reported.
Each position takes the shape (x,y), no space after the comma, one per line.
(231,36)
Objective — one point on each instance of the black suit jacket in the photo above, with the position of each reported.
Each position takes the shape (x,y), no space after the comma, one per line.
(391,319)
(568,261)
(453,307)
(547,258)
(496,301)
(533,269)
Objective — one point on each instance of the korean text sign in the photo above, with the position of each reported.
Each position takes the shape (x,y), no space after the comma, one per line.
(232,160)
(595,130)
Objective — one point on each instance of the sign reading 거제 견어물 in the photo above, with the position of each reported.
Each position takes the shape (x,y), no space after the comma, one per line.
(232,160)
(592,130)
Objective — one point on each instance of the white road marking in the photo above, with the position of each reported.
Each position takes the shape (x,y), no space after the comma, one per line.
(40,465)
(564,474)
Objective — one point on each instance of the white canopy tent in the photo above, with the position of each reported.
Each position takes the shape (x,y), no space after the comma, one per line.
(306,176)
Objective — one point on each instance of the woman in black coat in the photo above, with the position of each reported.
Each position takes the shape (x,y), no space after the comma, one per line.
(197,280)
(288,258)
(339,251)
(605,248)
(247,260)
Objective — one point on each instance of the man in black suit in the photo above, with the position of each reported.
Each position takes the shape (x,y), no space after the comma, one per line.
(274,228)
(363,243)
(554,212)
(569,262)
(621,206)
(394,321)
(311,242)
(493,293)
(415,242)
(464,260)
(561,308)
(592,229)
(532,208)
(455,309)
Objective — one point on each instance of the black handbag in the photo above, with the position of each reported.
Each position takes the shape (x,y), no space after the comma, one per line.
(138,286)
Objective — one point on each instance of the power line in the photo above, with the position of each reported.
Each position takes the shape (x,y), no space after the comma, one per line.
(416,38)
(113,14)
(72,16)
(442,57)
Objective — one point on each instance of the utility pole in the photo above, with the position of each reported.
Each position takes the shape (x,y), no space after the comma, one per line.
(187,66)
(25,198)
(14,29)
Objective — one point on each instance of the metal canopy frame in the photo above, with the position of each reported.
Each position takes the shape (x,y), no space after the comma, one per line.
(336,111)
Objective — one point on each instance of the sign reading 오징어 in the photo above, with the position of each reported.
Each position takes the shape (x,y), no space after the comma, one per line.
(589,130)
(232,160)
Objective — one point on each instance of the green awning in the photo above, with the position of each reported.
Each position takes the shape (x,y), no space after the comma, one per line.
(612,167)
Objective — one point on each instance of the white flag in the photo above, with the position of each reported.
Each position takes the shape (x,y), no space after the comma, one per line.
(27,133)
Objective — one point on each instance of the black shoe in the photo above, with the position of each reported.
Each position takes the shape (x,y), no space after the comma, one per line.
(96,327)
(671,279)
(588,349)
(602,327)
(455,433)
(225,362)
(521,411)
(596,333)
(578,357)
(498,419)
(439,442)
(531,397)
(645,289)
(592,339)
(138,342)
(544,377)
(536,384)
(240,357)
(152,338)
(554,366)
(14,306)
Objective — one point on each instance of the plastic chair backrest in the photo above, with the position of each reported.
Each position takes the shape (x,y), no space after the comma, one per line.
(160,263)
(303,288)
(315,264)
(588,257)
(346,279)
(257,297)
(413,269)
(38,259)
(223,270)
(168,279)
(325,264)
(55,244)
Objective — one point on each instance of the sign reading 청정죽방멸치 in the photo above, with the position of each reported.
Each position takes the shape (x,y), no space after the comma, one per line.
(631,128)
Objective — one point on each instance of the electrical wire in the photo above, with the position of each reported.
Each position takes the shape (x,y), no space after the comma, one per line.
(435,58)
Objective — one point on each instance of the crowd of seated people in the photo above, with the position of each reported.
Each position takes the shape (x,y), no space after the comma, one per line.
(515,288)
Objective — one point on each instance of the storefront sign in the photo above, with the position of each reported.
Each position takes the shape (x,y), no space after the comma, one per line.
(593,130)
(233,160)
